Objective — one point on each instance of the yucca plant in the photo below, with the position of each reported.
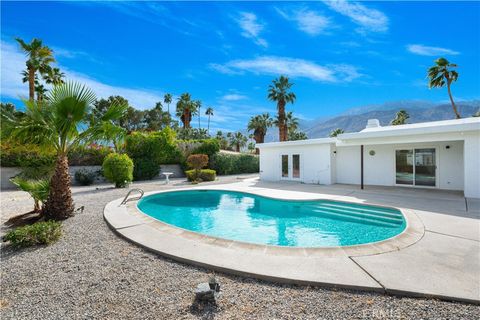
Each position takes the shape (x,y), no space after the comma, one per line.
(61,122)
(38,190)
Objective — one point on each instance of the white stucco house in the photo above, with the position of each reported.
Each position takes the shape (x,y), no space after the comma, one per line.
(439,154)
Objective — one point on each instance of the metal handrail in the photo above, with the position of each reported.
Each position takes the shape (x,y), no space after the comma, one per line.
(126,199)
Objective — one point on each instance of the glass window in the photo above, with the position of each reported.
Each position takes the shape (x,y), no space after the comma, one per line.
(404,166)
(285,166)
(425,167)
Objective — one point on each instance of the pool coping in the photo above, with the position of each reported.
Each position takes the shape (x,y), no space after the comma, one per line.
(321,266)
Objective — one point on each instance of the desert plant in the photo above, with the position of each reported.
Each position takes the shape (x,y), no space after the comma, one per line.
(118,168)
(38,189)
(59,123)
(44,232)
(441,74)
(85,177)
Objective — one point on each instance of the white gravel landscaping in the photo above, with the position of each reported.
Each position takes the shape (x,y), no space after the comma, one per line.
(91,273)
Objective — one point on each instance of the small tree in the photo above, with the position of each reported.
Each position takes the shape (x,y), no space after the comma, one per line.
(197,162)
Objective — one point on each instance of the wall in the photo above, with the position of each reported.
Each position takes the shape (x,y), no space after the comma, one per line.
(472,165)
(380,168)
(315,162)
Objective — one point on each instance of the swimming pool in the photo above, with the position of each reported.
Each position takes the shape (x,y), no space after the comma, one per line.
(255,219)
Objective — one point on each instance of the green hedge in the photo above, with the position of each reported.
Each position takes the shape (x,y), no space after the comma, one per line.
(32,156)
(209,147)
(205,175)
(224,163)
(149,150)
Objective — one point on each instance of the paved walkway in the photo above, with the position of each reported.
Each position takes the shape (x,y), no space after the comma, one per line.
(443,260)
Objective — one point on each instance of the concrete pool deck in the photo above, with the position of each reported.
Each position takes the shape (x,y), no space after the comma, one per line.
(437,256)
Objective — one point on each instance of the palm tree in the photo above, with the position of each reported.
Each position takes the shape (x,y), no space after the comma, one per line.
(40,90)
(280,93)
(198,105)
(209,113)
(54,76)
(39,59)
(400,118)
(38,190)
(336,132)
(440,74)
(185,109)
(56,123)
(237,140)
(259,124)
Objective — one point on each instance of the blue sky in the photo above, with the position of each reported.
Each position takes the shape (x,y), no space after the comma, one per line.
(339,54)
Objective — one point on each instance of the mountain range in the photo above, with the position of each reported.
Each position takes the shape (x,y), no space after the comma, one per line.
(355,119)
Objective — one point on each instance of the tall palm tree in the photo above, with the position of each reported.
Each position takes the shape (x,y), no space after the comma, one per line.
(198,105)
(40,90)
(400,118)
(259,124)
(167,98)
(209,113)
(185,109)
(238,140)
(279,91)
(336,132)
(56,123)
(39,59)
(54,76)
(440,74)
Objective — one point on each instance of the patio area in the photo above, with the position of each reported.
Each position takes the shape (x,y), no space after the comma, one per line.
(93,273)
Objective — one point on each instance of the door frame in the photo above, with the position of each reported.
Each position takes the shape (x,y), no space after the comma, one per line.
(437,166)
(290,166)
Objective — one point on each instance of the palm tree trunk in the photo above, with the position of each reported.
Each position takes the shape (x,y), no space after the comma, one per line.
(454,107)
(208,126)
(282,128)
(59,204)
(237,147)
(31,84)
(186,119)
(199,126)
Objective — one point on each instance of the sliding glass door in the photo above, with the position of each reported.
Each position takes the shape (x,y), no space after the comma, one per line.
(416,167)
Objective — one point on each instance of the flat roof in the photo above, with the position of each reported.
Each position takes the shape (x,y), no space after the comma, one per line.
(297,143)
(445,126)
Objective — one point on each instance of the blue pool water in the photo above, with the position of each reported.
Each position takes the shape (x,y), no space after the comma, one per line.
(251,218)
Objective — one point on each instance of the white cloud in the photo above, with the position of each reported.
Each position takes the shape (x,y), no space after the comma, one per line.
(233,97)
(13,62)
(430,51)
(292,67)
(368,19)
(251,28)
(309,21)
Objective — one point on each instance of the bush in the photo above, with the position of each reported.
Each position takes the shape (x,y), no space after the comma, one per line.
(204,175)
(118,168)
(14,155)
(209,147)
(85,177)
(92,155)
(224,163)
(197,161)
(46,232)
(149,150)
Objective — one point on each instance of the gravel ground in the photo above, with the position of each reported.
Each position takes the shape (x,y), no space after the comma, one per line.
(93,274)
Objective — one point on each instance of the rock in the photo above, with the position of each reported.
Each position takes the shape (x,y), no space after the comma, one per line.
(204,293)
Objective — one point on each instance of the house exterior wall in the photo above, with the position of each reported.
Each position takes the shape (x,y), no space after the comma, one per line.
(472,165)
(315,163)
(379,169)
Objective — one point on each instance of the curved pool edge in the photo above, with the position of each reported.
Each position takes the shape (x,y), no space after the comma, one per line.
(321,266)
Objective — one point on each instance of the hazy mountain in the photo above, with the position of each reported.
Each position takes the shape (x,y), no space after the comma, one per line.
(355,119)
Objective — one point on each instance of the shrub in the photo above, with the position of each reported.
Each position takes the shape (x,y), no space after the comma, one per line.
(208,147)
(15,155)
(203,175)
(224,163)
(197,162)
(85,177)
(118,168)
(92,155)
(45,232)
(149,150)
